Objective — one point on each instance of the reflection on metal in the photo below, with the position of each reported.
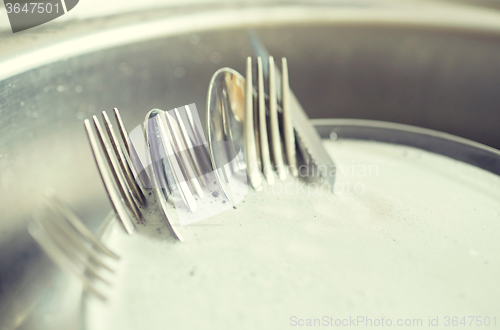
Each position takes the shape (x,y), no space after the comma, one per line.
(66,240)
(308,140)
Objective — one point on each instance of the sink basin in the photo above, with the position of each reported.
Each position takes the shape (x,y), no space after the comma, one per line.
(401,62)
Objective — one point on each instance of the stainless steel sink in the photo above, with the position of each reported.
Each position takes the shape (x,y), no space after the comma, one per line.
(436,67)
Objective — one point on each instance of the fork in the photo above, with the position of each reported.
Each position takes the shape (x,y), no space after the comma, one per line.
(259,132)
(308,140)
(118,165)
(174,157)
(64,238)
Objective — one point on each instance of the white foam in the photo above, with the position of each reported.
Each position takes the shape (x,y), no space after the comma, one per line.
(400,249)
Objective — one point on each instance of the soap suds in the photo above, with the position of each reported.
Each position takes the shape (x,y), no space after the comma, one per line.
(420,240)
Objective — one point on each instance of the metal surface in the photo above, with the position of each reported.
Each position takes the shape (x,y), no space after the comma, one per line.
(293,114)
(226,130)
(437,67)
(464,150)
(253,170)
(274,124)
(176,157)
(277,135)
(117,188)
(161,154)
(66,240)
(225,122)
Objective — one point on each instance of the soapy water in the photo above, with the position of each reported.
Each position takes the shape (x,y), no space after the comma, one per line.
(170,150)
(421,240)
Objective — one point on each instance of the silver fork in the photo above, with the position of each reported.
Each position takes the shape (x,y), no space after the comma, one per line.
(256,136)
(308,140)
(118,166)
(64,238)
(177,166)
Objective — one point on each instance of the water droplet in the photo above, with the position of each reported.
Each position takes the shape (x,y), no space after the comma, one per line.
(126,68)
(60,88)
(333,136)
(215,194)
(22,104)
(80,115)
(79,89)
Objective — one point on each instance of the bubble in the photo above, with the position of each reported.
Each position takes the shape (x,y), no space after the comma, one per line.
(79,89)
(126,68)
(60,88)
(333,136)
(215,194)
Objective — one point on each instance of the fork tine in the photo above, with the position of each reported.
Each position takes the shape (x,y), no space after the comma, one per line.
(264,140)
(106,177)
(118,175)
(132,184)
(57,255)
(249,131)
(203,153)
(189,148)
(287,120)
(232,149)
(135,163)
(275,130)
(183,187)
(186,166)
(67,236)
(68,246)
(76,223)
(159,166)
